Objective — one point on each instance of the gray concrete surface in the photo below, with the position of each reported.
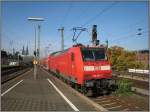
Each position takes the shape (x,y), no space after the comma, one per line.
(39,95)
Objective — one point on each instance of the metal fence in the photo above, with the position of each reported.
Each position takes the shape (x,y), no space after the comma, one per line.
(133,74)
(140,71)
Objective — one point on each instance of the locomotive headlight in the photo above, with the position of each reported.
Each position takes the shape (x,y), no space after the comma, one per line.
(105,67)
(88,68)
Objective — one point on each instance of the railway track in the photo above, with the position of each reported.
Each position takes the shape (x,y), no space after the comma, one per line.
(11,69)
(113,102)
(134,102)
(123,103)
(12,72)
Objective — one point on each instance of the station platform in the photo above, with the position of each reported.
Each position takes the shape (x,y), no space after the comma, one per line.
(46,93)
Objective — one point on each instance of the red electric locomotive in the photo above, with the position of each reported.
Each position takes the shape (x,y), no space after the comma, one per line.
(84,67)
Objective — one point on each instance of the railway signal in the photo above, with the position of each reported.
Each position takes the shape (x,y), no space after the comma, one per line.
(95,42)
(35,62)
(34,53)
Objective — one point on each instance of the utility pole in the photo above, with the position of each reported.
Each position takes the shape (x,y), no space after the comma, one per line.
(106,43)
(35,54)
(138,51)
(11,46)
(38,52)
(18,58)
(13,54)
(27,51)
(62,37)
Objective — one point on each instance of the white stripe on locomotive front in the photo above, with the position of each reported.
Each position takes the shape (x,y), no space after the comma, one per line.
(93,68)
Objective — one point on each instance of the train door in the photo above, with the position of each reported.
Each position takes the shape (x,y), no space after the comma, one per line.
(73,67)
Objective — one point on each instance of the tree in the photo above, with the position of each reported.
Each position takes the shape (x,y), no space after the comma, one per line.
(122,59)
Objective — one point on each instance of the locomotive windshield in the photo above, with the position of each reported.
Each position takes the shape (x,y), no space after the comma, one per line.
(93,54)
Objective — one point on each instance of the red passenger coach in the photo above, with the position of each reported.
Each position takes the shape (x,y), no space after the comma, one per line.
(85,67)
(44,62)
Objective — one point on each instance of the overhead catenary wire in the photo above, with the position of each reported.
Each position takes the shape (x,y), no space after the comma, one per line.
(126,37)
(62,25)
(66,15)
(128,27)
(83,12)
(104,10)
(69,9)
(100,13)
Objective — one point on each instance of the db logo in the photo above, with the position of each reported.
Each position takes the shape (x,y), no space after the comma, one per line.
(96,68)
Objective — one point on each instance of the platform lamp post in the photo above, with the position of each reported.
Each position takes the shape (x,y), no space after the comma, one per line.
(35,62)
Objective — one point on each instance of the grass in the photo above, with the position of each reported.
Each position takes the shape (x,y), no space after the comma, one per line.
(124,87)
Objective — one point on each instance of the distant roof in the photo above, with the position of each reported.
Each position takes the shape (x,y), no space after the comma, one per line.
(143,51)
(3,53)
(58,52)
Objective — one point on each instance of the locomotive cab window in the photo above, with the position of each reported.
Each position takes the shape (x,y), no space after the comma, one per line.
(100,54)
(93,54)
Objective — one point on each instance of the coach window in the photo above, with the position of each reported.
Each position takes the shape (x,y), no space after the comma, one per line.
(72,56)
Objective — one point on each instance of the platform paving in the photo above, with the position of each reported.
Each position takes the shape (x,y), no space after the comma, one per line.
(40,95)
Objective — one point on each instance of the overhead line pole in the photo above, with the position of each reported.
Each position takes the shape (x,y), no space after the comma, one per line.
(62,37)
(35,68)
(35,40)
(39,30)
